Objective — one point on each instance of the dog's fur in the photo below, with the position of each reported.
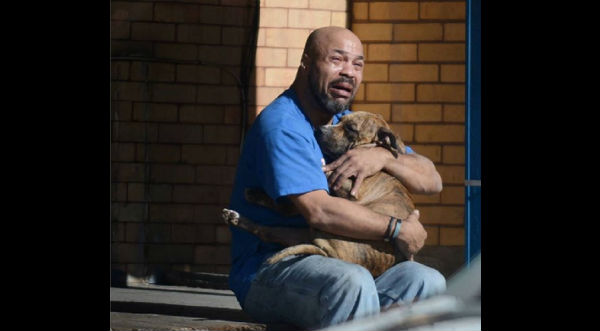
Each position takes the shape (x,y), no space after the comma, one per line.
(381,193)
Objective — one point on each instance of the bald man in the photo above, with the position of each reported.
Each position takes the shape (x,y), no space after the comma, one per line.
(282,157)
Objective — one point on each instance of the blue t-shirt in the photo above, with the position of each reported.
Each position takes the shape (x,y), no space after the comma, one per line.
(280,156)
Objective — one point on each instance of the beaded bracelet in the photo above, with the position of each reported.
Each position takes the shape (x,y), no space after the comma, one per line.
(397,229)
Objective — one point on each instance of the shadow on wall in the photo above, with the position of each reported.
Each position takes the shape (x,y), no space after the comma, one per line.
(181,74)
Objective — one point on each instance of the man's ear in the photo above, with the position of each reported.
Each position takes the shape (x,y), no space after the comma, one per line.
(387,139)
(304,61)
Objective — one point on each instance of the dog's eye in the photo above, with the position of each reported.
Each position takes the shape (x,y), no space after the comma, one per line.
(351,128)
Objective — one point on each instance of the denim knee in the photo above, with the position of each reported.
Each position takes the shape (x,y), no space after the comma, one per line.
(431,281)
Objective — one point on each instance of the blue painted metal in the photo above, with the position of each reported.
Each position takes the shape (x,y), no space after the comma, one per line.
(473,133)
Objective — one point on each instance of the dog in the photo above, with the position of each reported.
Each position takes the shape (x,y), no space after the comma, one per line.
(382,193)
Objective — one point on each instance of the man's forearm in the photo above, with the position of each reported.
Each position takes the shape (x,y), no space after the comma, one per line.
(340,216)
(416,172)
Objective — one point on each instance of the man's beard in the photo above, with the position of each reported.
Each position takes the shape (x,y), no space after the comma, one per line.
(324,100)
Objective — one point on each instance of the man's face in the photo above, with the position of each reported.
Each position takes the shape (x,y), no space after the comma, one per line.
(335,72)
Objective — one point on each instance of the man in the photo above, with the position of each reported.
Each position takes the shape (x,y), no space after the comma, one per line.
(282,157)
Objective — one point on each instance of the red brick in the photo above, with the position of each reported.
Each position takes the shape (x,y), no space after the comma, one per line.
(339,19)
(136,192)
(180,133)
(161,193)
(393,11)
(126,253)
(117,231)
(294,38)
(441,215)
(390,92)
(273,17)
(183,233)
(229,55)
(118,192)
(223,234)
(200,34)
(452,174)
(128,212)
(416,113)
(209,155)
(422,199)
(158,153)
(418,32)
(215,175)
(454,32)
(221,134)
(453,73)
(279,76)
(202,114)
(433,235)
(453,195)
(360,11)
(442,52)
(177,13)
(160,253)
(442,10)
(172,213)
(176,51)
(153,31)
(134,132)
(413,73)
(440,133)
(373,31)
(211,94)
(454,154)
(130,91)
(154,112)
(121,110)
(205,234)
(197,194)
(159,72)
(392,52)
(432,152)
(119,30)
(172,173)
(454,113)
(374,72)
(285,3)
(123,152)
(131,47)
(127,172)
(452,236)
(131,11)
(208,214)
(441,93)
(271,57)
(235,36)
(198,74)
(175,93)
(404,131)
(339,5)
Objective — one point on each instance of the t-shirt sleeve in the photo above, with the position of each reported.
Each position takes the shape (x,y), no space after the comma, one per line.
(289,163)
(409,150)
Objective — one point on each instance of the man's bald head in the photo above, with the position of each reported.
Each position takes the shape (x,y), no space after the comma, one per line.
(319,38)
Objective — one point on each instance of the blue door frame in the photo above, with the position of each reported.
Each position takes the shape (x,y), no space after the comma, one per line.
(473,133)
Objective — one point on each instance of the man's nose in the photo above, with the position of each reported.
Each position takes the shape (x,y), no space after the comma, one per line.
(348,69)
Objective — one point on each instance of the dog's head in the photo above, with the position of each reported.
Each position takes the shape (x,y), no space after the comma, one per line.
(358,129)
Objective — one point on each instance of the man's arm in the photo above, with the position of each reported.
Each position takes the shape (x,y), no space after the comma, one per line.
(346,218)
(415,171)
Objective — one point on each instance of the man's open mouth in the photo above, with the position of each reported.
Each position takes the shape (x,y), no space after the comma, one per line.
(341,89)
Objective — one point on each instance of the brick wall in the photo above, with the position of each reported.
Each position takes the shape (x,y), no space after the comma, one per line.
(176,125)
(415,77)
(175,131)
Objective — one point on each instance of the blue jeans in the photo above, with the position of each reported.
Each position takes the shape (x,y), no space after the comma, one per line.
(315,291)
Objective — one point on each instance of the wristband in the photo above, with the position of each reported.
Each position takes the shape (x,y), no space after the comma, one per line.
(389,231)
(397,229)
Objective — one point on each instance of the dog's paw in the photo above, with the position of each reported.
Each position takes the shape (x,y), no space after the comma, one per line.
(230,216)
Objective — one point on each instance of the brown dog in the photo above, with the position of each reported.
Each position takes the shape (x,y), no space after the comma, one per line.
(381,193)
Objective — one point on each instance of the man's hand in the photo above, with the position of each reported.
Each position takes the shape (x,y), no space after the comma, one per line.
(412,236)
(359,163)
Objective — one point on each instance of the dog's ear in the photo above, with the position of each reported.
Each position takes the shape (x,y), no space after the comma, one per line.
(387,139)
